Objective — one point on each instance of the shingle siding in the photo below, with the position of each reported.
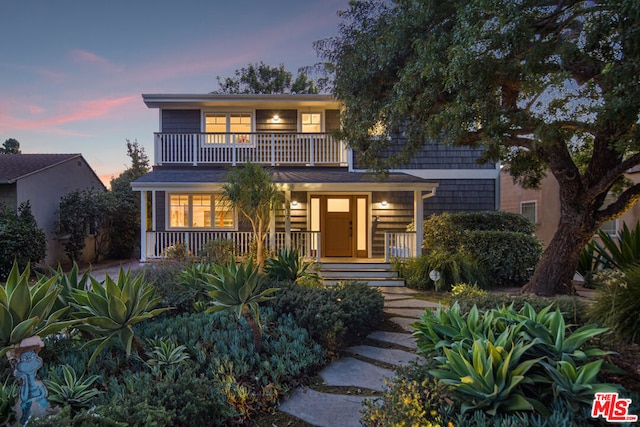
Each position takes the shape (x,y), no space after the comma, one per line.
(287,121)
(455,195)
(179,121)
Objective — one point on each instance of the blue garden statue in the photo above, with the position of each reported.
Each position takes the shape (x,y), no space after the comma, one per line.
(33,393)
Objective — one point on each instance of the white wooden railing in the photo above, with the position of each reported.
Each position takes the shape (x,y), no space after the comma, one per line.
(159,243)
(264,148)
(399,245)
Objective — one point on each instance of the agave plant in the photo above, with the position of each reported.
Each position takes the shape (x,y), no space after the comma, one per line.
(68,283)
(166,353)
(69,389)
(620,252)
(113,307)
(27,310)
(237,287)
(289,265)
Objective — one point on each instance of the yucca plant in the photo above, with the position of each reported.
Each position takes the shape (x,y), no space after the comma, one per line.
(28,310)
(238,288)
(619,252)
(112,308)
(69,389)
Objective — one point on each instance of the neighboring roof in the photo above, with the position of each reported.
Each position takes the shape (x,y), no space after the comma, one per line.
(239,100)
(16,166)
(294,178)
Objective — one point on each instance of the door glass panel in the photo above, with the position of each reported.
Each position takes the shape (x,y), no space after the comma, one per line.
(362,224)
(315,214)
(337,205)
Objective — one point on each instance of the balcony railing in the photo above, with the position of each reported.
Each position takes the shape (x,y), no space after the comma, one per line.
(157,242)
(273,149)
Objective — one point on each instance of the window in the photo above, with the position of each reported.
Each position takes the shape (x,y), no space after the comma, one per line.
(228,127)
(200,211)
(311,122)
(528,209)
(610,227)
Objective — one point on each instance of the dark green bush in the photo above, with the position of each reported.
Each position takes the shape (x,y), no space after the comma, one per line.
(219,251)
(509,258)
(334,316)
(165,276)
(20,239)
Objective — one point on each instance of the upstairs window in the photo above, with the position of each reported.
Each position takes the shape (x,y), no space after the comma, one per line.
(228,127)
(311,122)
(200,211)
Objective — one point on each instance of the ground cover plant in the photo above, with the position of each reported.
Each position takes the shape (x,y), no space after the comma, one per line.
(189,366)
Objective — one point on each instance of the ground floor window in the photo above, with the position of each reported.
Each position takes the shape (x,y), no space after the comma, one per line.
(196,210)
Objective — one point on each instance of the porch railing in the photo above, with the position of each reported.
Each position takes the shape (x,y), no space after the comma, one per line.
(399,245)
(158,243)
(258,147)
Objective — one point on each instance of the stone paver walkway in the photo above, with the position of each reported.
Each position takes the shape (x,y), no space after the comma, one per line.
(366,370)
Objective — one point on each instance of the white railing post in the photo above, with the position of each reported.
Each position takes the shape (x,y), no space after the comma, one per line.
(157,150)
(143,226)
(234,148)
(273,150)
(194,148)
(386,246)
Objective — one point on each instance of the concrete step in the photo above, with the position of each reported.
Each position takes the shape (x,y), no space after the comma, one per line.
(358,266)
(371,281)
(342,274)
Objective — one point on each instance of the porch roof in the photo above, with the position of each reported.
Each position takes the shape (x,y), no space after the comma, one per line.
(303,178)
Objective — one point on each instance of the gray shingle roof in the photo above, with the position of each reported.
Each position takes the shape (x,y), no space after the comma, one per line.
(16,166)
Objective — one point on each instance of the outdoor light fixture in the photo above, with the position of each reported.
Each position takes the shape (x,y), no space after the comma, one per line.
(383,203)
(276,118)
(294,203)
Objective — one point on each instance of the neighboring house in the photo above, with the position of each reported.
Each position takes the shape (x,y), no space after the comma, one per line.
(332,208)
(542,205)
(43,179)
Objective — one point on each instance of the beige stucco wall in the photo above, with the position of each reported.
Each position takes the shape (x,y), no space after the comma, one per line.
(44,190)
(548,204)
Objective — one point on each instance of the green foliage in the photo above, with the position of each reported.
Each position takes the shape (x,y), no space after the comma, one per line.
(166,353)
(251,192)
(27,310)
(122,223)
(264,79)
(112,308)
(67,283)
(10,146)
(8,397)
(334,316)
(620,252)
(617,302)
(505,360)
(166,276)
(21,239)
(508,258)
(218,251)
(464,290)
(458,267)
(69,389)
(290,266)
(80,214)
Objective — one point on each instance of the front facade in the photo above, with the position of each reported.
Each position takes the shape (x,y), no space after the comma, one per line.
(42,180)
(332,209)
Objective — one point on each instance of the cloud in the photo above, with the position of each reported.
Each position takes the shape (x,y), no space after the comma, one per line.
(33,117)
(83,56)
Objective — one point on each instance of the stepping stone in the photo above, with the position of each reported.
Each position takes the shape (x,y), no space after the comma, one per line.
(386,355)
(412,303)
(324,409)
(396,338)
(395,297)
(406,312)
(404,323)
(355,373)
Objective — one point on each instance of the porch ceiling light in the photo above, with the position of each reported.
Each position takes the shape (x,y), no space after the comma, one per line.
(294,203)
(276,118)
(383,203)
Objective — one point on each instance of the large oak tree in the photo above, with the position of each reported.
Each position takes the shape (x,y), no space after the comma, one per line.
(543,85)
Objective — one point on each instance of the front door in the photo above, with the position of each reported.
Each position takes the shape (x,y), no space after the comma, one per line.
(343,224)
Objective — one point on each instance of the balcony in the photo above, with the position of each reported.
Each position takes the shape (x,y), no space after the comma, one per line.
(296,149)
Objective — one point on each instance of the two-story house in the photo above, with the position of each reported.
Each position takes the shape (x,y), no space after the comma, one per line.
(332,208)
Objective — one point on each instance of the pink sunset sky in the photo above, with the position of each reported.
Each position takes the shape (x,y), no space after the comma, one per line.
(72,71)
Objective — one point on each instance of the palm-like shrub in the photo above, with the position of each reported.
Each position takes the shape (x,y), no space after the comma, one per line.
(27,310)
(112,308)
(238,288)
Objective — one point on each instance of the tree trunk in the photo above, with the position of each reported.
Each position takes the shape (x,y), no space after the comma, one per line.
(255,329)
(554,273)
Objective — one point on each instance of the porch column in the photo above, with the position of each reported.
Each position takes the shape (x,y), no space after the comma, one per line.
(287,219)
(418,219)
(143,226)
